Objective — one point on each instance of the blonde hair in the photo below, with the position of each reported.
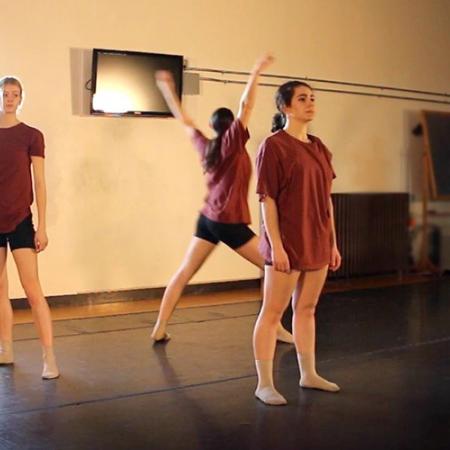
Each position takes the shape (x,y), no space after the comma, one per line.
(11,80)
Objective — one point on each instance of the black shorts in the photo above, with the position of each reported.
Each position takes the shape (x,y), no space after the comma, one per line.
(232,234)
(21,237)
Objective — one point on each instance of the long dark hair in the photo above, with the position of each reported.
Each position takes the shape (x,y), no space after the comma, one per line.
(283,98)
(221,120)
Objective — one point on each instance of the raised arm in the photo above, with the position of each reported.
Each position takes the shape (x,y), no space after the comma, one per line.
(166,84)
(248,96)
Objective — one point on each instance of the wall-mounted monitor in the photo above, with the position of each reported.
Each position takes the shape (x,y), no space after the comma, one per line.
(123,82)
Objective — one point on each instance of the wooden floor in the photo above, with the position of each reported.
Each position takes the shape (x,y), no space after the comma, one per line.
(140,306)
(219,298)
(387,348)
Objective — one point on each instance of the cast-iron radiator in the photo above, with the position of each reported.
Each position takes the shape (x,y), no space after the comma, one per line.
(372,232)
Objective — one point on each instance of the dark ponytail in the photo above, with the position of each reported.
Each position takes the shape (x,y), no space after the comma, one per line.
(283,98)
(278,122)
(221,120)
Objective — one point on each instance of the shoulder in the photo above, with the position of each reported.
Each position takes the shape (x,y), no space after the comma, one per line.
(317,140)
(35,140)
(271,148)
(199,138)
(29,128)
(320,144)
(196,133)
(33,132)
(273,143)
(200,141)
(237,130)
(274,140)
(236,125)
(278,137)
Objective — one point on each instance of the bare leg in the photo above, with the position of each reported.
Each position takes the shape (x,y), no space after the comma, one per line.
(250,252)
(278,288)
(6,314)
(196,255)
(26,261)
(306,297)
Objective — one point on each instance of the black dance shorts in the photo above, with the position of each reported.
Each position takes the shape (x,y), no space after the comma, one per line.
(234,235)
(21,237)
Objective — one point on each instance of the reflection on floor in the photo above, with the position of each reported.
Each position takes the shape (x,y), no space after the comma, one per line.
(217,298)
(388,348)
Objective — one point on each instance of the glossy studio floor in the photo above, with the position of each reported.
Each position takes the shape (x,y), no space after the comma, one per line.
(387,347)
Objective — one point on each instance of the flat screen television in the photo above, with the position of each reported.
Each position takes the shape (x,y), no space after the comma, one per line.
(123,82)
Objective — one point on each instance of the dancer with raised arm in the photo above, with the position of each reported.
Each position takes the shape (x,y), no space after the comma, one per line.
(225,215)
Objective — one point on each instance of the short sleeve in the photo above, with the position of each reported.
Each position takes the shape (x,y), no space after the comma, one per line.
(268,170)
(329,157)
(37,144)
(234,138)
(200,142)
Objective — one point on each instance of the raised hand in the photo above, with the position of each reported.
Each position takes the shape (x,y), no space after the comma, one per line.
(164,78)
(264,61)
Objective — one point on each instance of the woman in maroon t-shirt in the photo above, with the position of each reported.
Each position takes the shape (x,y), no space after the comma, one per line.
(225,215)
(22,146)
(298,241)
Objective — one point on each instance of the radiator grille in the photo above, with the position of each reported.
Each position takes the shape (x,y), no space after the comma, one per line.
(372,232)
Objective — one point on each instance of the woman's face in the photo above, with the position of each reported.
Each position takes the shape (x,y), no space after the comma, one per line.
(302,106)
(11,98)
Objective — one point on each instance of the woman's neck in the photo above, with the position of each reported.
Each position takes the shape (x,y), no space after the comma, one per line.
(8,120)
(298,130)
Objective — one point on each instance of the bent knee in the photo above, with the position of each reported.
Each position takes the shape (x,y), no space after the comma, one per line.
(272,315)
(35,299)
(183,275)
(308,309)
(3,287)
(32,288)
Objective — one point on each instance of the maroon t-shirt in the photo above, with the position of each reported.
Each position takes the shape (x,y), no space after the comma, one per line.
(17,145)
(228,181)
(298,177)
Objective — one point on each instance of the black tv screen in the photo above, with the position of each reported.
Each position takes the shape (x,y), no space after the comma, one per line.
(123,82)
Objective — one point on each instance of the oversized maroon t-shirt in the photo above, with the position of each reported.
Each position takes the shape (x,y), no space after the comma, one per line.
(228,181)
(298,177)
(17,145)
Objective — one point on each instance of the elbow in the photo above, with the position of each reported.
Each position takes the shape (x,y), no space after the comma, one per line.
(267,202)
(187,122)
(184,118)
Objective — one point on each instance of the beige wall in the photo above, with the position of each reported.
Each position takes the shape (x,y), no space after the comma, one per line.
(124,193)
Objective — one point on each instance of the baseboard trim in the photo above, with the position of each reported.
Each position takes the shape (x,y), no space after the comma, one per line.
(97,298)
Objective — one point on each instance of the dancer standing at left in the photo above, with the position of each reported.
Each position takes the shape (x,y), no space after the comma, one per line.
(22,148)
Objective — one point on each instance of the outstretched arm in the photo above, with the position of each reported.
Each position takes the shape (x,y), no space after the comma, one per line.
(166,84)
(248,96)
